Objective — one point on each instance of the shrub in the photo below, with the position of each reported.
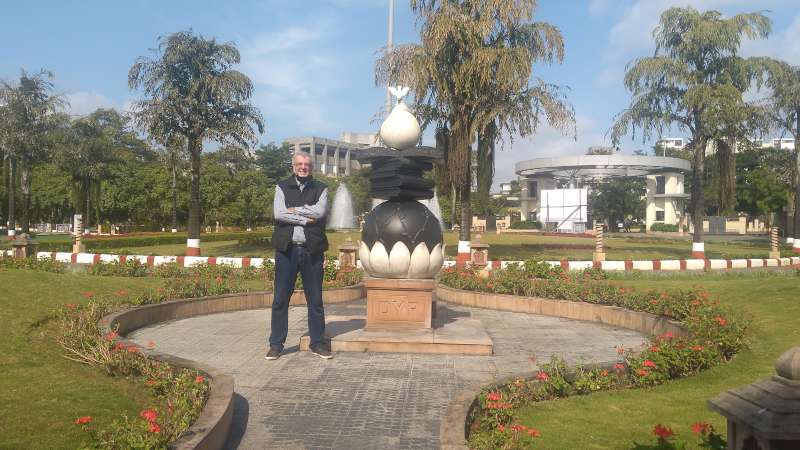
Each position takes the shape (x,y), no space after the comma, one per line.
(525,225)
(159,239)
(32,263)
(663,227)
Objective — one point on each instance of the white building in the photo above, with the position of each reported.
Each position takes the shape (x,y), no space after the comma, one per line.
(332,157)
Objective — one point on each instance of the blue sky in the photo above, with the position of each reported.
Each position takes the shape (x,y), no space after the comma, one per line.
(312,61)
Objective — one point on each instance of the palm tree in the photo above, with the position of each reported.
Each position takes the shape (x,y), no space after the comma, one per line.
(173,155)
(695,80)
(782,111)
(194,93)
(29,112)
(472,75)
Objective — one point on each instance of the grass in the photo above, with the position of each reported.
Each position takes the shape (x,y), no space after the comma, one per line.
(41,393)
(507,247)
(613,420)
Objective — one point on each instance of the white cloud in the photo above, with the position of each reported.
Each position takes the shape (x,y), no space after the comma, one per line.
(781,45)
(85,103)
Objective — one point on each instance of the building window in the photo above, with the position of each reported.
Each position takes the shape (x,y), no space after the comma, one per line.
(661,183)
(533,190)
(532,216)
(659,216)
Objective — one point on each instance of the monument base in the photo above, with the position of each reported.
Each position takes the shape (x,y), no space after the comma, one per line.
(399,303)
(78,248)
(598,256)
(774,255)
(459,336)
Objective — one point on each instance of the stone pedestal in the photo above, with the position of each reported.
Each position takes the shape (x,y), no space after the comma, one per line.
(79,247)
(23,247)
(598,256)
(399,303)
(774,251)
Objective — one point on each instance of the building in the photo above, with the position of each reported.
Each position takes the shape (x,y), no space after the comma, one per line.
(711,147)
(665,181)
(332,157)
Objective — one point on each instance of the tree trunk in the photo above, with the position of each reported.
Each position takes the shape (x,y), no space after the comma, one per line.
(697,189)
(87,221)
(453,215)
(12,193)
(193,244)
(466,215)
(25,178)
(174,198)
(796,221)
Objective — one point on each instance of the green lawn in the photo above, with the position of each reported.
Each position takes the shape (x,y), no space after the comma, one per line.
(505,247)
(41,393)
(613,420)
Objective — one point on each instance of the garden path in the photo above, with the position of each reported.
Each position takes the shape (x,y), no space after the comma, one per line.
(365,400)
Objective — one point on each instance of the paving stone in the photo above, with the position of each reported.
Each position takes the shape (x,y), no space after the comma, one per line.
(365,400)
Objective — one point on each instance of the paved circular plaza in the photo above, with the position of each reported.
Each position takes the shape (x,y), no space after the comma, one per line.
(365,400)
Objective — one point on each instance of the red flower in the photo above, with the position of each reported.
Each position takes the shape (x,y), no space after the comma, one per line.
(89,294)
(620,350)
(653,301)
(71,305)
(487,284)
(519,384)
(649,364)
(88,418)
(138,282)
(534,432)
(219,278)
(662,432)
(644,372)
(596,278)
(698,348)
(542,376)
(493,396)
(198,380)
(655,349)
(149,415)
(151,343)
(154,428)
(695,303)
(121,292)
(668,335)
(161,290)
(605,372)
(501,428)
(619,366)
(702,427)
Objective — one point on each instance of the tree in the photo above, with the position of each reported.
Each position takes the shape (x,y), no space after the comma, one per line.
(96,143)
(765,191)
(29,112)
(274,161)
(173,155)
(471,76)
(618,200)
(782,111)
(695,80)
(193,92)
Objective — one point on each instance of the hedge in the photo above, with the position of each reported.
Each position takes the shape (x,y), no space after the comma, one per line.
(663,227)
(525,225)
(248,237)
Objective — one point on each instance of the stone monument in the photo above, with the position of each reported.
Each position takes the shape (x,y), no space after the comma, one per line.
(402,250)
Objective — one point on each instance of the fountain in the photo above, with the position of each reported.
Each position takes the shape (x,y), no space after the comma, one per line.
(342,216)
(433,205)
(402,250)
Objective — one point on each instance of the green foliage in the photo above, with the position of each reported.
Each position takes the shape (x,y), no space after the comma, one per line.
(40,264)
(668,227)
(618,200)
(275,162)
(525,225)
(251,237)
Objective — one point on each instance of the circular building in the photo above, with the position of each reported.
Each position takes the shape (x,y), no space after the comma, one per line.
(665,179)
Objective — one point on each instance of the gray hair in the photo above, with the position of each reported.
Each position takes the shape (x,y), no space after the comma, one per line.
(303,155)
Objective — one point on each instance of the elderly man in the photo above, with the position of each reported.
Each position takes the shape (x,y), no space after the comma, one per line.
(300,243)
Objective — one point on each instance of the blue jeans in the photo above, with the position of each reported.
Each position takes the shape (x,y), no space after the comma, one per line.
(287,264)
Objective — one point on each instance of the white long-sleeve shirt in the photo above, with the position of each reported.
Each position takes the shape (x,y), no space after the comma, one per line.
(301,214)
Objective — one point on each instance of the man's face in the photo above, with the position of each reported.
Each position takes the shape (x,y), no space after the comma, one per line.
(301,166)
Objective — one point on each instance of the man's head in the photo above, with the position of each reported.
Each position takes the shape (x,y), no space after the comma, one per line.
(302,165)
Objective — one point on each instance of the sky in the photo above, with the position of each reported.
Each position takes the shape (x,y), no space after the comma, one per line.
(312,62)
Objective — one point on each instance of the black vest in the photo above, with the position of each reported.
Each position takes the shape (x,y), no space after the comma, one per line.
(316,241)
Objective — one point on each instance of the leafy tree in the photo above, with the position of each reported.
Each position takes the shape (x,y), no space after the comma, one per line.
(255,197)
(618,200)
(28,114)
(274,161)
(95,145)
(695,80)
(471,76)
(782,112)
(194,92)
(765,191)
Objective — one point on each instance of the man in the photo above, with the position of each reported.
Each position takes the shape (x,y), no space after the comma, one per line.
(300,243)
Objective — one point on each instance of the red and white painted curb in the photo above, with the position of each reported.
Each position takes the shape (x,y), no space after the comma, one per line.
(675,264)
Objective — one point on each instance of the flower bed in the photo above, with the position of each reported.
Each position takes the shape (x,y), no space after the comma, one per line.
(713,335)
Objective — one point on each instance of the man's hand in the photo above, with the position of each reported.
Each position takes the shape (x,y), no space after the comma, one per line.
(291,209)
(311,221)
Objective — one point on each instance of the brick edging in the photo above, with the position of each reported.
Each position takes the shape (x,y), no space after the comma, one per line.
(210,430)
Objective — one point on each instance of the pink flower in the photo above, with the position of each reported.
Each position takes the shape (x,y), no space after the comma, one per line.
(151,343)
(89,294)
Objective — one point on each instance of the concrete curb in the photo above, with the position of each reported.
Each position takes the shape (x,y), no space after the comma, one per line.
(210,431)
(590,312)
(665,264)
